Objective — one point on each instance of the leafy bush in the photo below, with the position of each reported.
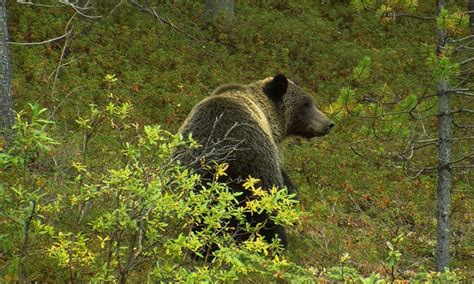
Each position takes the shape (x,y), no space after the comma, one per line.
(130,217)
(350,205)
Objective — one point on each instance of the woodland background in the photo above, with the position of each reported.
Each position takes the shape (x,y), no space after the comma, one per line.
(359,62)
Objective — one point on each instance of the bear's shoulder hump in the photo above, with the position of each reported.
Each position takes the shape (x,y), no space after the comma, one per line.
(228,88)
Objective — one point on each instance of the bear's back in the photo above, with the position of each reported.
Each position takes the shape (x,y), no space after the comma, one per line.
(229,106)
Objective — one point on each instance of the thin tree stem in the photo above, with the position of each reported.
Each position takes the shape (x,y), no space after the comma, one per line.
(444,160)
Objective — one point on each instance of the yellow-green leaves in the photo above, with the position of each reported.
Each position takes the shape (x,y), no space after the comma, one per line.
(250,183)
(31,138)
(110,78)
(385,6)
(219,170)
(455,22)
(345,104)
(71,250)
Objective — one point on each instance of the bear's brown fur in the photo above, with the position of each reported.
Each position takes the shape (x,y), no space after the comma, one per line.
(242,126)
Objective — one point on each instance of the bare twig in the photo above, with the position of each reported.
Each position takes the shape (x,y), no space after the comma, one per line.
(462,125)
(63,52)
(462,39)
(423,170)
(40,42)
(466,61)
(354,150)
(395,15)
(463,92)
(51,115)
(466,157)
(38,4)
(24,247)
(64,64)
(79,9)
(462,110)
(114,8)
(163,20)
(463,167)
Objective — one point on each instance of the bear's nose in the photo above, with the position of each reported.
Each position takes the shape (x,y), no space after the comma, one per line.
(330,125)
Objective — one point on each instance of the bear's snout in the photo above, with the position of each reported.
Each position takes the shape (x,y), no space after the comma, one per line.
(330,125)
(319,129)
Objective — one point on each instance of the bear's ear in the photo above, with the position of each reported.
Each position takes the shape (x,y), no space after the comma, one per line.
(276,88)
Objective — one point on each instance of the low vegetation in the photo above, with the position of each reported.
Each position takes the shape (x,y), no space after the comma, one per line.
(89,188)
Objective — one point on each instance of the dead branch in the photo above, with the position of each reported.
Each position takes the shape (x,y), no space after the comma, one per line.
(162,20)
(354,150)
(114,8)
(38,4)
(462,39)
(78,9)
(405,15)
(466,61)
(52,114)
(462,110)
(462,125)
(63,52)
(466,157)
(40,42)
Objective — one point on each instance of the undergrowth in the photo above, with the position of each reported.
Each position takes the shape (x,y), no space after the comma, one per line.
(358,219)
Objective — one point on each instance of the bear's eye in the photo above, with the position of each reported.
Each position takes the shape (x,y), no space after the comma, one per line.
(307,104)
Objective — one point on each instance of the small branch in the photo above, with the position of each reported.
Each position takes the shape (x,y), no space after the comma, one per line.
(79,9)
(24,247)
(467,94)
(462,39)
(462,167)
(461,91)
(466,61)
(436,139)
(371,160)
(462,159)
(115,7)
(130,258)
(462,110)
(463,48)
(204,86)
(51,116)
(40,42)
(38,5)
(425,169)
(64,64)
(453,90)
(162,20)
(462,125)
(63,52)
(394,15)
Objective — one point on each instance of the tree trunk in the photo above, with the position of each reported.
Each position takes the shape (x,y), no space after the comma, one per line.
(471,14)
(216,8)
(6,104)
(444,161)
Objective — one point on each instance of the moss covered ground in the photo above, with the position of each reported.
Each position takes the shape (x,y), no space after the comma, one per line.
(351,204)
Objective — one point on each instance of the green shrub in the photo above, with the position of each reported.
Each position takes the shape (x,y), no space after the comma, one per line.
(132,216)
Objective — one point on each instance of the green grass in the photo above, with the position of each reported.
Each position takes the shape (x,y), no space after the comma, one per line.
(352,205)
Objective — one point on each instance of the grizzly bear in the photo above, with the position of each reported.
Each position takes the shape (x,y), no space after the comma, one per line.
(242,125)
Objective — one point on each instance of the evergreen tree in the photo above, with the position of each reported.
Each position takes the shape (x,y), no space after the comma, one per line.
(6,104)
(412,110)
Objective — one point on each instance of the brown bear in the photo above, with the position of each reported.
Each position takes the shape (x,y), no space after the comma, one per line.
(242,125)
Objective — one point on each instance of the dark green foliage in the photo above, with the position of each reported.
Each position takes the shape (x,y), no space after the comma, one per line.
(350,204)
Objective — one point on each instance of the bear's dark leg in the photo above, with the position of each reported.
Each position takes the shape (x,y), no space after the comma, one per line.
(289,184)
(272,230)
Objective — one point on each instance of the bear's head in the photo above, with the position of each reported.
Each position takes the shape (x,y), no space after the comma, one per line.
(298,109)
